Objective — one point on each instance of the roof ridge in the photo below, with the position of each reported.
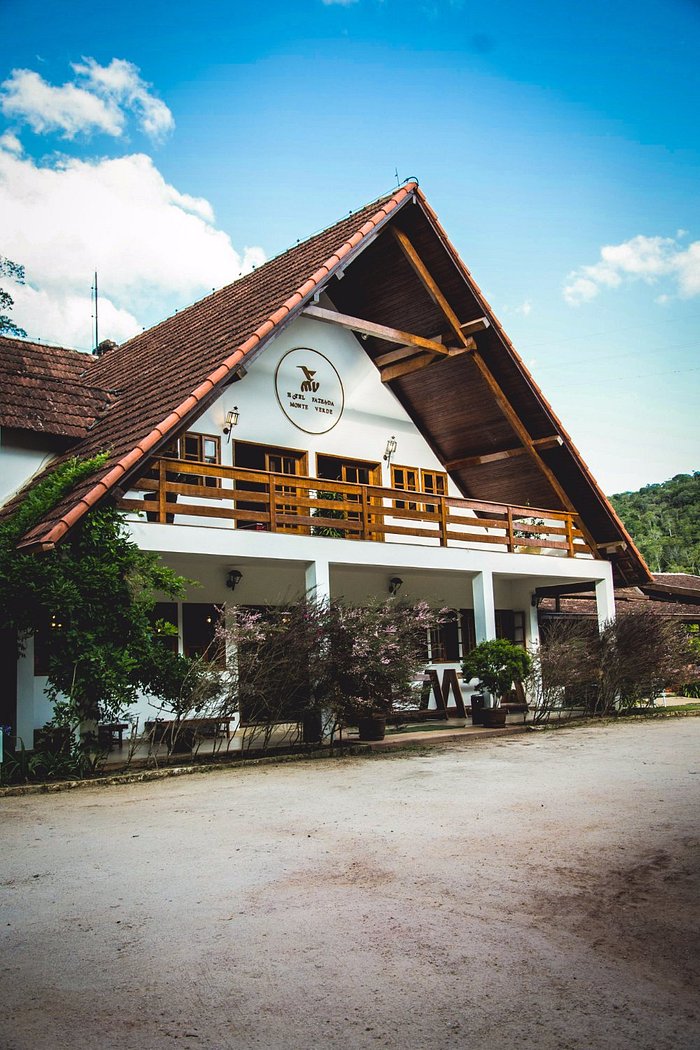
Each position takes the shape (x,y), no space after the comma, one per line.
(300,243)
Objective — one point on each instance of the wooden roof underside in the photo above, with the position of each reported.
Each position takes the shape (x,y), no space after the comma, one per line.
(453,403)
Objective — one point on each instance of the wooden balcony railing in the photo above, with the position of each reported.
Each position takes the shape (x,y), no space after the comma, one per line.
(197,493)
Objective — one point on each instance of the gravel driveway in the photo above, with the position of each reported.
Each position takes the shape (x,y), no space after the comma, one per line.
(539,892)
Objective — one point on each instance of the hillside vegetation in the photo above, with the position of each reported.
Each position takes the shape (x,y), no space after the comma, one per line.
(664,521)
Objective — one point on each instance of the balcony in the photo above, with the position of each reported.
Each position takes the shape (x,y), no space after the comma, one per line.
(182,492)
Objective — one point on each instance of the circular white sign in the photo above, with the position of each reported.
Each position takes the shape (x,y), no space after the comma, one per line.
(309,390)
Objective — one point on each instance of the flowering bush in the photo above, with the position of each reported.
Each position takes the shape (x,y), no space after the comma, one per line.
(313,655)
(373,654)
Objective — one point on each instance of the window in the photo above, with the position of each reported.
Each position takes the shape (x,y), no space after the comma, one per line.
(199,622)
(411,479)
(406,479)
(269,459)
(197,448)
(510,625)
(444,641)
(434,482)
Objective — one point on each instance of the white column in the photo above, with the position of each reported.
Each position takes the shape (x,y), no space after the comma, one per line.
(25,694)
(605,600)
(484,608)
(532,625)
(318,580)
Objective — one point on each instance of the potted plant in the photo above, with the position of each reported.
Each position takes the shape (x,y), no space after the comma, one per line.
(496,664)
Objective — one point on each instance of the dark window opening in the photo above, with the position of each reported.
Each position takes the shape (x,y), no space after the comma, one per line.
(199,623)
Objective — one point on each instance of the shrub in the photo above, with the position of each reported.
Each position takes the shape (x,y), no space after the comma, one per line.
(497,664)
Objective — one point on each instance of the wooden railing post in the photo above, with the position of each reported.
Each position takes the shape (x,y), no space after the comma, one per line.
(364,499)
(443,521)
(272,503)
(511,538)
(570,534)
(161,491)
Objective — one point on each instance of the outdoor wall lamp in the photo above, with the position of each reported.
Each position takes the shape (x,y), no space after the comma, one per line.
(234,578)
(395,585)
(231,421)
(390,448)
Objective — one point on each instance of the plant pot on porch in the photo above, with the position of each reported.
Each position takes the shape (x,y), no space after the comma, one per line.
(493,717)
(312,727)
(477,703)
(372,727)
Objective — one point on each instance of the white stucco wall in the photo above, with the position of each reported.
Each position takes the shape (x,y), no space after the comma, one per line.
(18,462)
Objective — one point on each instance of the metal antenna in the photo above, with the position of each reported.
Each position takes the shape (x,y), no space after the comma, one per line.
(396,176)
(97,329)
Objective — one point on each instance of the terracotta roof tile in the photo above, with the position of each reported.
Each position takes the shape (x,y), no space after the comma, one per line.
(49,389)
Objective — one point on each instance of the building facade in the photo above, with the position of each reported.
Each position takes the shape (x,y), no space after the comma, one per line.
(348,420)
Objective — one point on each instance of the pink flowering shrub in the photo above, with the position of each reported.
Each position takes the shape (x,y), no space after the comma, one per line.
(310,655)
(372,655)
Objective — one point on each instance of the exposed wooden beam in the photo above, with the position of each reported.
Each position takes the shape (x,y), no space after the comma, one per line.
(520,429)
(507,453)
(477,325)
(419,360)
(380,331)
(427,281)
(400,354)
(561,590)
(486,457)
(404,368)
(501,400)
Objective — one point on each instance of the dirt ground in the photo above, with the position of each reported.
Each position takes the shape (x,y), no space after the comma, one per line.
(539,892)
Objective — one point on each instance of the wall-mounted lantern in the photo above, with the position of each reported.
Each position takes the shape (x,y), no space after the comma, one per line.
(233,578)
(231,421)
(390,449)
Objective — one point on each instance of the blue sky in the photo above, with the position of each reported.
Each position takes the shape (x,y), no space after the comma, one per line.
(558,143)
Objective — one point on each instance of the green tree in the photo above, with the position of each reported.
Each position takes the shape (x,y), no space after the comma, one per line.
(663,521)
(97,589)
(14,272)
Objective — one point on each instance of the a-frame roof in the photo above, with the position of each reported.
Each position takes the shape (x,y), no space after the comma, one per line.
(478,407)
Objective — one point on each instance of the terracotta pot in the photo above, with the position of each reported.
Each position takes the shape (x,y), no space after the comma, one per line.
(372,727)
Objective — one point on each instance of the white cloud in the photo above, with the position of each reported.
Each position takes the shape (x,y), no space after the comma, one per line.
(338,3)
(121,82)
(29,99)
(642,258)
(525,308)
(98,100)
(11,143)
(154,248)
